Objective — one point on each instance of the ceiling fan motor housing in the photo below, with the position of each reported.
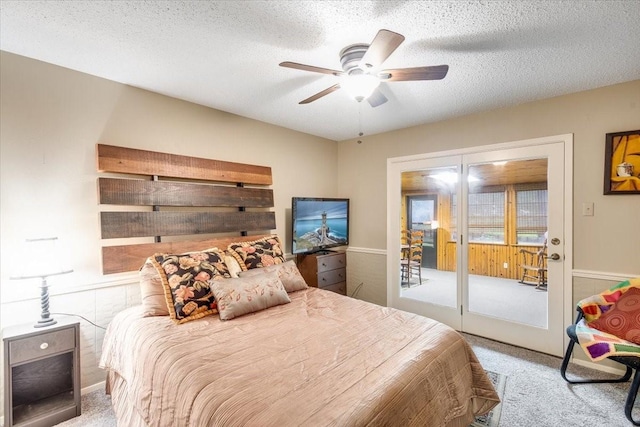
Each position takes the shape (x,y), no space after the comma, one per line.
(350,58)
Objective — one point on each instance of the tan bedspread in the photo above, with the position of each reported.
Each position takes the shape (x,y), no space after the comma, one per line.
(323,359)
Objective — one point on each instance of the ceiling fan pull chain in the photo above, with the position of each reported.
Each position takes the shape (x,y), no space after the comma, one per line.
(360,121)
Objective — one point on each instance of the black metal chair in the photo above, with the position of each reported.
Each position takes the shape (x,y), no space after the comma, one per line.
(631,363)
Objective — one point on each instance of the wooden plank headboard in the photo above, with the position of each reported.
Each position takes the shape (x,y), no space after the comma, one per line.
(178,192)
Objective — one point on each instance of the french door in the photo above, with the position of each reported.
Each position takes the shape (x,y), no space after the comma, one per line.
(490,207)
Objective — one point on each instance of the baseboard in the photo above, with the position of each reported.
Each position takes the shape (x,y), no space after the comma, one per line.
(98,386)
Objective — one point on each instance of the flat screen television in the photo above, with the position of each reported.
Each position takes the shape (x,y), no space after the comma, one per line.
(319,224)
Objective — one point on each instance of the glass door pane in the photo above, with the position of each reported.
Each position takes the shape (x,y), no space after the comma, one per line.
(507,222)
(429,197)
(515,214)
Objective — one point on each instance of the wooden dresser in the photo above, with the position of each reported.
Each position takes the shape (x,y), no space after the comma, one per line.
(325,270)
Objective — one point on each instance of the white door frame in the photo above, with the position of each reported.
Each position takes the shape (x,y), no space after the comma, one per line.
(397,165)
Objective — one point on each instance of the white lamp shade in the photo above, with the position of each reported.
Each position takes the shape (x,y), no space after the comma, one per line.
(359,86)
(41,257)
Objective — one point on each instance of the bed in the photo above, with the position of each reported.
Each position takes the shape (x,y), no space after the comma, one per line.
(254,346)
(323,359)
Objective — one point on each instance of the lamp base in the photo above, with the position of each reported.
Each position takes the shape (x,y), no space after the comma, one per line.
(42,323)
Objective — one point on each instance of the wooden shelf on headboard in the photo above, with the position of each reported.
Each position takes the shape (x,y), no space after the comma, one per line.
(137,192)
(142,162)
(220,186)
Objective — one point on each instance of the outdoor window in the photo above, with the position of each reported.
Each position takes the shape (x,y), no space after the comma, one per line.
(486,215)
(531,214)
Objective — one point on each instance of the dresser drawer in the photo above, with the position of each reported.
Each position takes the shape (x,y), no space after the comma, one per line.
(330,277)
(331,262)
(38,346)
(339,288)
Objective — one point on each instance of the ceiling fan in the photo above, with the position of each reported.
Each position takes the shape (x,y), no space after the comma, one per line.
(361,75)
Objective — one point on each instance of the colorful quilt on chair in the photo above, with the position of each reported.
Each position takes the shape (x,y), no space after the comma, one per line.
(598,344)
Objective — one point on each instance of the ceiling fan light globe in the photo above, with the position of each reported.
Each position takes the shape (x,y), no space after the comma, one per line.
(359,86)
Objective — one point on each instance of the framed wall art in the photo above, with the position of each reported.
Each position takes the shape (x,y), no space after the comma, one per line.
(622,163)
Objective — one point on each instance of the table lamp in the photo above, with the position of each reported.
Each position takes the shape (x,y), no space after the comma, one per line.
(47,261)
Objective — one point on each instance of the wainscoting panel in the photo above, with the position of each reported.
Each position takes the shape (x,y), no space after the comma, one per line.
(369,268)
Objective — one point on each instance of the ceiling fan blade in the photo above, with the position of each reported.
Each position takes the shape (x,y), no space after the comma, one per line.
(311,68)
(319,95)
(435,72)
(376,98)
(382,46)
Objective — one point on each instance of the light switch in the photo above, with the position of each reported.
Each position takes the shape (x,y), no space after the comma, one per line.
(587,209)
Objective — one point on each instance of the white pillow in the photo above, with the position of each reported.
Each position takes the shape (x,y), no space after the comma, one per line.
(233,266)
(287,271)
(235,297)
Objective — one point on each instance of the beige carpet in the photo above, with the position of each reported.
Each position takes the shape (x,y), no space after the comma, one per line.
(536,395)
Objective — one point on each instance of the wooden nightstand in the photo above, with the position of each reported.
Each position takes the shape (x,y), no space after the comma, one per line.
(41,373)
(325,270)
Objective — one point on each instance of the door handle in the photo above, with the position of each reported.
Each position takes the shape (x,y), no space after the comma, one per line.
(554,257)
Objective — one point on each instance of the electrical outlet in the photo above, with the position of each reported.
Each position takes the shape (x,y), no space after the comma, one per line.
(505,265)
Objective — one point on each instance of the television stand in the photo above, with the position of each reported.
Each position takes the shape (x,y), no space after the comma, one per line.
(324,269)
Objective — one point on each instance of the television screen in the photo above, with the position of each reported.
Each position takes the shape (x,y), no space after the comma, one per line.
(319,224)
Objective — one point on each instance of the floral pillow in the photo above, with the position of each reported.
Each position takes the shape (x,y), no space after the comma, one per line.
(623,318)
(287,272)
(186,280)
(259,253)
(245,295)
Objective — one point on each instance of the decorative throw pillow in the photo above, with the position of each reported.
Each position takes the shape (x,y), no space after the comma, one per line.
(623,318)
(233,266)
(152,291)
(186,281)
(259,253)
(248,294)
(287,272)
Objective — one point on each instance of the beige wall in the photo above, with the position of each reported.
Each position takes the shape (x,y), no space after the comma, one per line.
(597,244)
(51,120)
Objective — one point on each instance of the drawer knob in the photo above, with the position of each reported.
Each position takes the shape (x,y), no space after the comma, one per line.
(324,265)
(44,346)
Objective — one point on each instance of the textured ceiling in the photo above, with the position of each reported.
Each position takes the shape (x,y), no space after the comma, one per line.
(225,54)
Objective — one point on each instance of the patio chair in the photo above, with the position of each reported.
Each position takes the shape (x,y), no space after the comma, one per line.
(592,331)
(534,267)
